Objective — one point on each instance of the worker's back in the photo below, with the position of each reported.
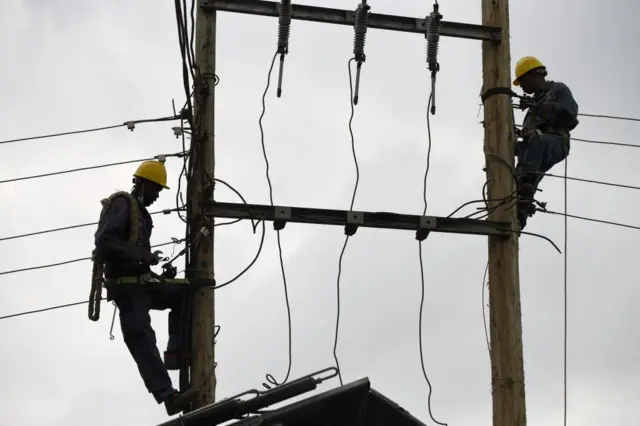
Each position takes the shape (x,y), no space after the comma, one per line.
(120,246)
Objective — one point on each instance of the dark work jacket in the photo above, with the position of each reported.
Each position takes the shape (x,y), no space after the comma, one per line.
(565,109)
(121,257)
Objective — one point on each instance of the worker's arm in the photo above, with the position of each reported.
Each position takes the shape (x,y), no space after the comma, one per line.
(109,240)
(564,105)
(563,109)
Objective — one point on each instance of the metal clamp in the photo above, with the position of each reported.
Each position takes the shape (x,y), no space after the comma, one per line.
(280,217)
(354,220)
(427,223)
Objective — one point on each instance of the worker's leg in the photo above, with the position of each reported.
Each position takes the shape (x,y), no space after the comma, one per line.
(169,296)
(542,153)
(134,304)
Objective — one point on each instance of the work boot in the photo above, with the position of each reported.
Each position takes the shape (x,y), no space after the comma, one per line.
(178,402)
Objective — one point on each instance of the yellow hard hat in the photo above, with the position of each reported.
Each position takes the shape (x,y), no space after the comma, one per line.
(153,171)
(524,65)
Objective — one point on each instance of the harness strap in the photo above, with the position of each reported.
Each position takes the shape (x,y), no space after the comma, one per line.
(97,277)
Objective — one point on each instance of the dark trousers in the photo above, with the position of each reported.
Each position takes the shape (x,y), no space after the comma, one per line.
(134,302)
(538,155)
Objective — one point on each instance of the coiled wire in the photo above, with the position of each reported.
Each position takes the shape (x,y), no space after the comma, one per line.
(360,37)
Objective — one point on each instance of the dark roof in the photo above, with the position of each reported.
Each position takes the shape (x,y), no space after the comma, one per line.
(354,404)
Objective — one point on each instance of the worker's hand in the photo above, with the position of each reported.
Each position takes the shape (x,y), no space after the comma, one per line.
(525,102)
(152,258)
(545,108)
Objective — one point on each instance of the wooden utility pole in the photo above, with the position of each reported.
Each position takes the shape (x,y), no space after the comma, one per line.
(202,368)
(507,370)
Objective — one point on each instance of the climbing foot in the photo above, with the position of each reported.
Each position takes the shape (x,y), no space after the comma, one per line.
(178,402)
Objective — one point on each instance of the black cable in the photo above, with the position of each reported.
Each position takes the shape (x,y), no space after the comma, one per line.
(95,129)
(66,262)
(217,287)
(51,308)
(422,281)
(66,228)
(589,219)
(610,117)
(269,377)
(353,200)
(81,169)
(617,185)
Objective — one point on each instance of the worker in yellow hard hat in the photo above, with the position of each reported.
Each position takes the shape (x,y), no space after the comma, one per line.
(123,246)
(552,113)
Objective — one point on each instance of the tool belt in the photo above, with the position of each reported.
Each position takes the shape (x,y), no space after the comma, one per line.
(547,131)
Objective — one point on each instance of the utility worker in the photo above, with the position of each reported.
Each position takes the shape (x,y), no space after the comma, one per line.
(122,243)
(552,114)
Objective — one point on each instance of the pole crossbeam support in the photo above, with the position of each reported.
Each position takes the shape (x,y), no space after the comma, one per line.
(354,219)
(347,17)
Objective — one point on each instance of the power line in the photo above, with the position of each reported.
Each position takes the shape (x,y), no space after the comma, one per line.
(269,377)
(67,262)
(129,124)
(346,240)
(36,311)
(80,169)
(610,117)
(590,219)
(617,185)
(66,228)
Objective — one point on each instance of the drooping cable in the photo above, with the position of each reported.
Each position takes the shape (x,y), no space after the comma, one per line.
(353,200)
(269,377)
(422,280)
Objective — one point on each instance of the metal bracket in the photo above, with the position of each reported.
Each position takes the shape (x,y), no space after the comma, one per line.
(354,220)
(281,215)
(427,223)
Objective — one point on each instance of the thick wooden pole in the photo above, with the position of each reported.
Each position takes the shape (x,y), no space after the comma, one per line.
(202,370)
(507,371)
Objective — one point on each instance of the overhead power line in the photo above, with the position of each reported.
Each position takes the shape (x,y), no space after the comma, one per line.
(67,262)
(606,116)
(590,219)
(36,311)
(100,166)
(129,124)
(66,228)
(617,185)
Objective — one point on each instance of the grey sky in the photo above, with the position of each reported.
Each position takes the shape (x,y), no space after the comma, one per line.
(73,64)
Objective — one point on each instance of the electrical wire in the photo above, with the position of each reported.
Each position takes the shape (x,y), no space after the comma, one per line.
(422,280)
(51,308)
(610,117)
(346,240)
(617,185)
(590,219)
(66,262)
(81,169)
(269,377)
(566,299)
(95,129)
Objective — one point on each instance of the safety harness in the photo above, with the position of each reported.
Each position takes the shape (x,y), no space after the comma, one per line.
(98,280)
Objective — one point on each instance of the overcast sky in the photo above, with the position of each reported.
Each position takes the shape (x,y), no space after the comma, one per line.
(71,64)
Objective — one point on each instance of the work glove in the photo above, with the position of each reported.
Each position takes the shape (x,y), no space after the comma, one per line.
(525,102)
(152,258)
